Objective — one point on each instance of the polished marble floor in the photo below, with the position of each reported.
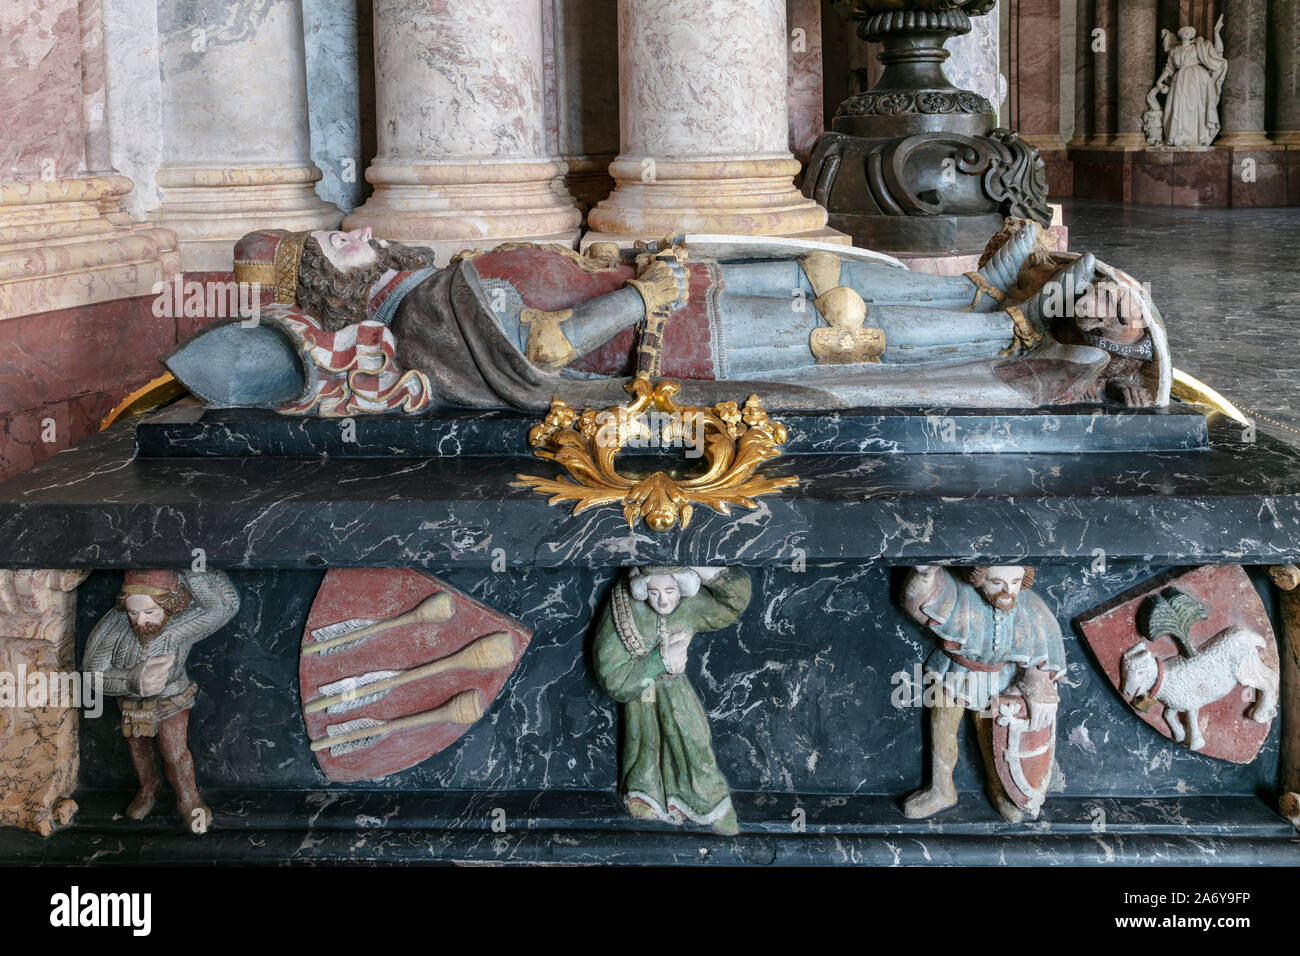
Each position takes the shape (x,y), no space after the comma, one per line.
(1228,284)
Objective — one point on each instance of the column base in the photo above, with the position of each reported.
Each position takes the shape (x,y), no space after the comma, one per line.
(212,208)
(1245,138)
(66,243)
(1290,138)
(740,197)
(454,206)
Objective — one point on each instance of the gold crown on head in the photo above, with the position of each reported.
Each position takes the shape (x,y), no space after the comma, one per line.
(270,257)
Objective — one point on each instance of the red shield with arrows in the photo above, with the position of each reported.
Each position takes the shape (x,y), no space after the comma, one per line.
(396,666)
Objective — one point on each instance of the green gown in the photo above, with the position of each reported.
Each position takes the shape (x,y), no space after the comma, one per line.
(667,754)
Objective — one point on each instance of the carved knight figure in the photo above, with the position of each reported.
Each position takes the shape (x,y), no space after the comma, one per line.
(362,325)
(667,767)
(140,647)
(1000,654)
(1193,81)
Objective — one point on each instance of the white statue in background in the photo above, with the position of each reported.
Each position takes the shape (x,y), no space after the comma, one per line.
(1192,82)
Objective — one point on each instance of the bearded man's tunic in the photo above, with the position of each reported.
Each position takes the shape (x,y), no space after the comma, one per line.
(115,651)
(981,648)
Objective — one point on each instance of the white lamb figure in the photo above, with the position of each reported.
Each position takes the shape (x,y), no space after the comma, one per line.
(1229,658)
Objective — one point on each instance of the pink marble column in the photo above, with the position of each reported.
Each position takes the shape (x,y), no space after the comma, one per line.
(64,240)
(1105,73)
(1137,70)
(805,71)
(462,156)
(1035,68)
(236,146)
(1083,74)
(705,125)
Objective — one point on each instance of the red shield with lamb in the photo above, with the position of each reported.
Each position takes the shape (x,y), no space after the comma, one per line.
(395,667)
(1194,655)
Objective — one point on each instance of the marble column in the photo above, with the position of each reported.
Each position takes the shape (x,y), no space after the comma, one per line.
(805,76)
(1035,72)
(461,163)
(1136,72)
(1285,28)
(705,130)
(1104,73)
(235,133)
(586,95)
(64,240)
(1245,44)
(1084,82)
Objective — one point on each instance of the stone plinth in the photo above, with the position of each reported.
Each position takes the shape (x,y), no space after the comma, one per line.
(1213,178)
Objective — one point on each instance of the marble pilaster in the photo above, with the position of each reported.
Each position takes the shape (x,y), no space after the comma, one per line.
(704,125)
(461,136)
(38,745)
(1136,70)
(1284,25)
(1035,68)
(1104,73)
(64,239)
(805,77)
(1245,44)
(1084,62)
(236,144)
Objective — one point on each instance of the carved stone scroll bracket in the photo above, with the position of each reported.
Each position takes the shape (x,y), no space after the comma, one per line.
(1287,578)
(38,744)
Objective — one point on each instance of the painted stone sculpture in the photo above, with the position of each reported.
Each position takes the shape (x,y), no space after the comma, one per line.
(1000,654)
(667,769)
(140,647)
(1195,657)
(359,328)
(395,667)
(1192,82)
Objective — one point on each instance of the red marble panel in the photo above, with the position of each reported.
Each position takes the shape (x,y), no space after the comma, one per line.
(1257,178)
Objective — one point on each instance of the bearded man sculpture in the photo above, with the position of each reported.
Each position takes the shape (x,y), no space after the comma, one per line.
(364,325)
(140,647)
(1000,654)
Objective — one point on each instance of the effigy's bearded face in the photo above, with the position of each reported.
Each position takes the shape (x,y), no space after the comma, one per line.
(1001,586)
(347,250)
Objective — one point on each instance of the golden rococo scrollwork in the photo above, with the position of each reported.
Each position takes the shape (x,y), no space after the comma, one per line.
(733,440)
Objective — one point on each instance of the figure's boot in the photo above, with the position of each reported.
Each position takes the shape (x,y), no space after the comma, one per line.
(173,743)
(1002,270)
(1057,298)
(145,761)
(941,794)
(993,788)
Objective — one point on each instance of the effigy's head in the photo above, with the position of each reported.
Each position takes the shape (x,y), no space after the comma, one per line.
(1000,585)
(663,587)
(327,273)
(150,599)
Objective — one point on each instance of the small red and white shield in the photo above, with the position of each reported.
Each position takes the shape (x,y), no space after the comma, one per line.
(396,666)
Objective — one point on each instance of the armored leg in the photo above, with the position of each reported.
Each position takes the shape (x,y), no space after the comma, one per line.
(941,794)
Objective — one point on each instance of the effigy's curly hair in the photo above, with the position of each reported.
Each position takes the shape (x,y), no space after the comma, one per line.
(977,575)
(338,298)
(172,602)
